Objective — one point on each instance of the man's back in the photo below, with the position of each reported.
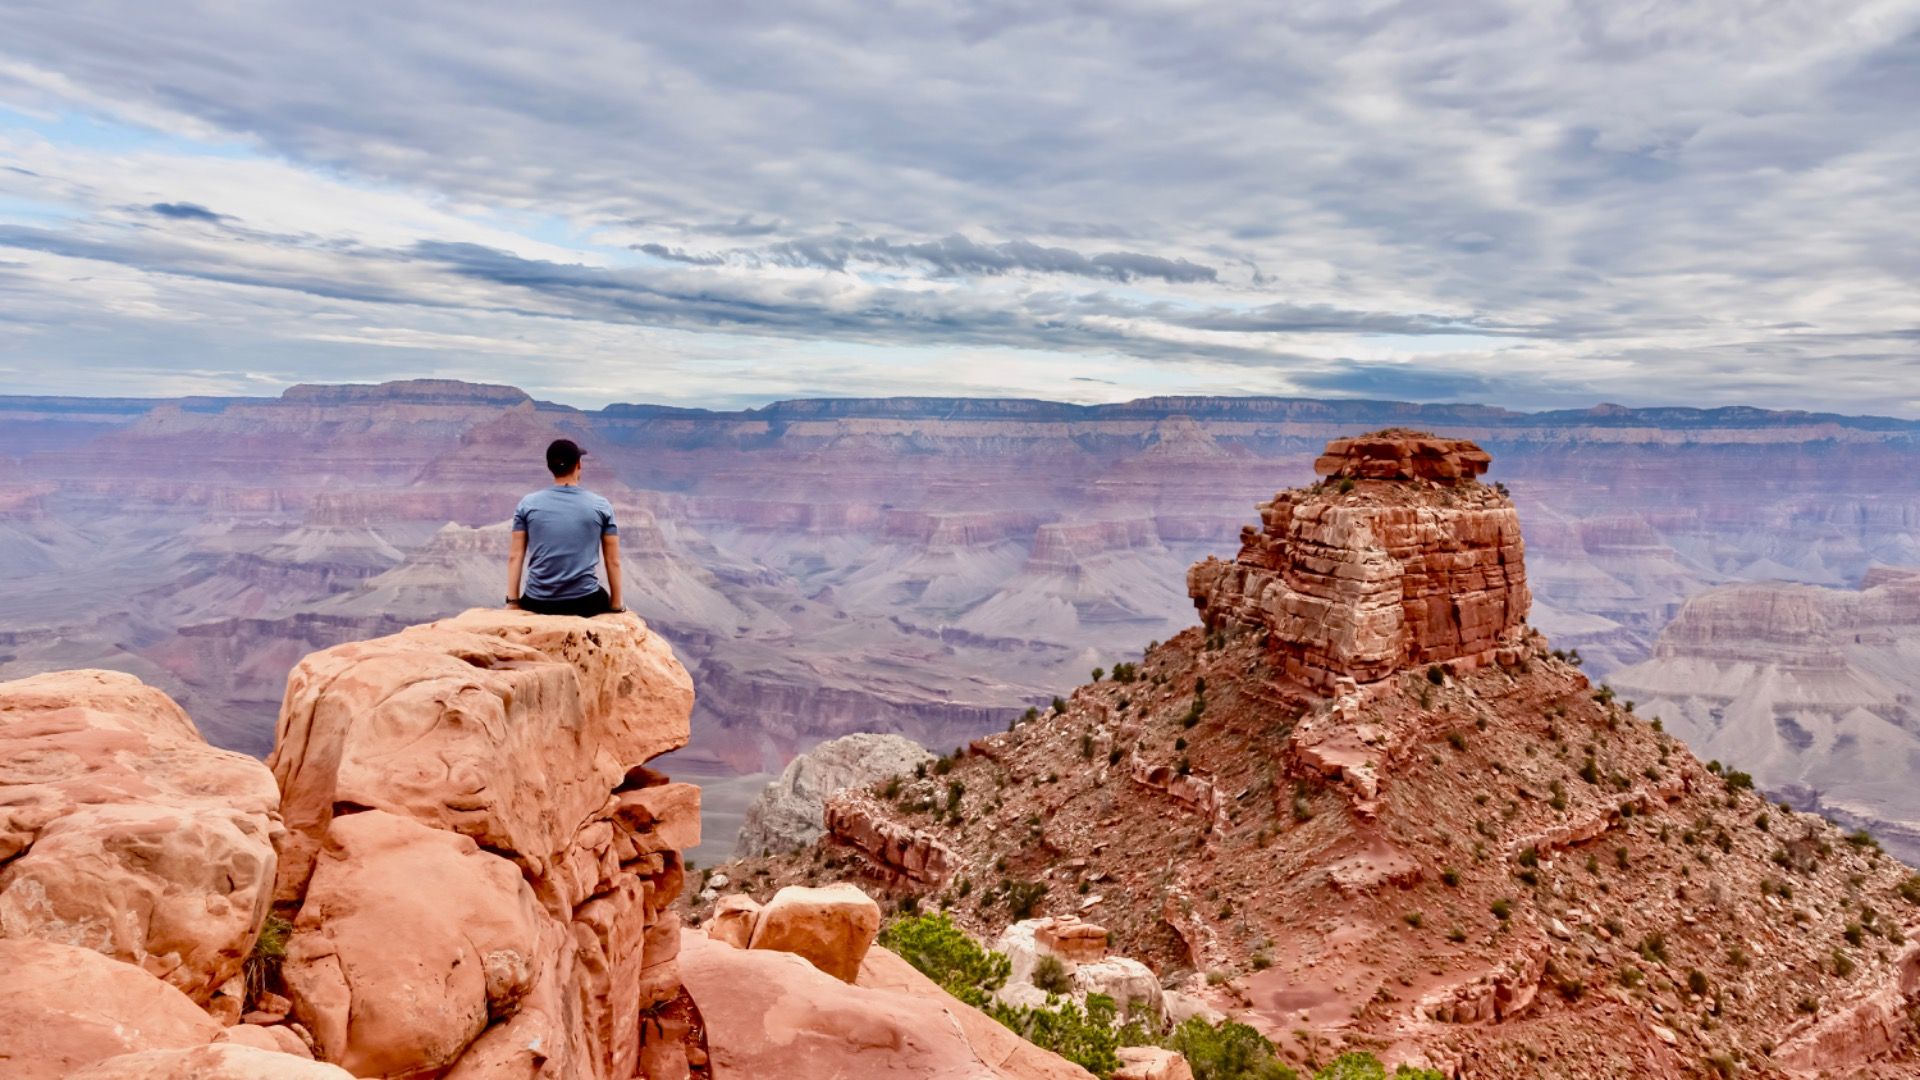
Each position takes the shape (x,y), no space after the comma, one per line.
(564,526)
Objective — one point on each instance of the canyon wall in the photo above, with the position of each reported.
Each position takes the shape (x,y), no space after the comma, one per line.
(923,566)
(1813,690)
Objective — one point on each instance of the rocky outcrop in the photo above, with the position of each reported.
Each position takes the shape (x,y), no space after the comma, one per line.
(122,831)
(791,812)
(772,1013)
(1399,454)
(893,849)
(831,927)
(1081,950)
(1404,561)
(480,866)
(63,1007)
(1151,1063)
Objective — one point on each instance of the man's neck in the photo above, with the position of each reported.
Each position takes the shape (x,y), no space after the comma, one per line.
(567,481)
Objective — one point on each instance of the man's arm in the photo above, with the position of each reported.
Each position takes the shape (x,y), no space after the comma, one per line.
(516,561)
(610,551)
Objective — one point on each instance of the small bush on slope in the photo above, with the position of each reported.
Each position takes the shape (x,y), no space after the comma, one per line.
(1368,1067)
(1089,1038)
(1228,1052)
(944,953)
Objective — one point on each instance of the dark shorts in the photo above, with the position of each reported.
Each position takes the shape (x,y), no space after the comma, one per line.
(596,602)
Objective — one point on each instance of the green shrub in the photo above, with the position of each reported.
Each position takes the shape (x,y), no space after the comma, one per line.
(1023,897)
(1228,1052)
(1911,890)
(1087,1037)
(269,949)
(1051,975)
(1360,1066)
(944,953)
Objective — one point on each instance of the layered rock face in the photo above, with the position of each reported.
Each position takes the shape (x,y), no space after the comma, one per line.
(1399,558)
(122,831)
(479,866)
(1810,689)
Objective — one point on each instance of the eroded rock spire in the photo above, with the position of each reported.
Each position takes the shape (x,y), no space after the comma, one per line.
(1399,558)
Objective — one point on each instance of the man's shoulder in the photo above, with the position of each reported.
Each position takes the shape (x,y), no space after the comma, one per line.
(600,502)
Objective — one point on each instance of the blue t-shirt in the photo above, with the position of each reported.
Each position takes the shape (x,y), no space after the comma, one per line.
(563,526)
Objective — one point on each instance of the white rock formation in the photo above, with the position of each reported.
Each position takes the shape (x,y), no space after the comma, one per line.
(789,814)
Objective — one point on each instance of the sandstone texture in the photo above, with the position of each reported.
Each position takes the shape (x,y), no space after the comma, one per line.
(216,1062)
(891,847)
(122,831)
(1151,1063)
(831,927)
(772,1013)
(64,1007)
(479,865)
(791,813)
(1405,561)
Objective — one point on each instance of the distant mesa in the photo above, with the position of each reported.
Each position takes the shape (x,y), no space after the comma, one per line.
(1414,563)
(406,392)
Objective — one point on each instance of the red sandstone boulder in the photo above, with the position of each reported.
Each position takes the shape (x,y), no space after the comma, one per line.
(482,864)
(221,1061)
(1069,938)
(122,831)
(831,927)
(1151,1063)
(508,727)
(64,1007)
(772,1014)
(410,939)
(732,920)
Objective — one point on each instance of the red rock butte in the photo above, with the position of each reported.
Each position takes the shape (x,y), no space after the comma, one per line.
(1399,558)
(1398,454)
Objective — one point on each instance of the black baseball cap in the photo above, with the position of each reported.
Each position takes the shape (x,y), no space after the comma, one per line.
(563,455)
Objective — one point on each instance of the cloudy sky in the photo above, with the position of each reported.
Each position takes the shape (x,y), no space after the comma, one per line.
(1531,204)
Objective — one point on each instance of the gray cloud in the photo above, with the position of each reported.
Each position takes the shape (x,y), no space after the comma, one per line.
(1691,201)
(186,211)
(958,255)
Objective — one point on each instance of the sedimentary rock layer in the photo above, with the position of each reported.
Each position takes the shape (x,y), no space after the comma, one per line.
(1404,561)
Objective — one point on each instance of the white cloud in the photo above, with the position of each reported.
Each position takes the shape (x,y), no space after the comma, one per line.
(1622,200)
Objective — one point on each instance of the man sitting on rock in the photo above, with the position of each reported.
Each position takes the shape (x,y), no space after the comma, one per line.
(560,534)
